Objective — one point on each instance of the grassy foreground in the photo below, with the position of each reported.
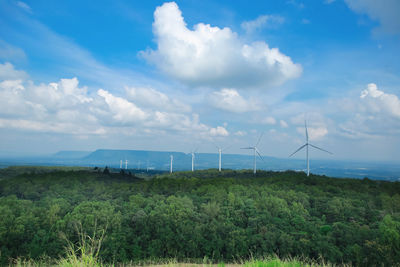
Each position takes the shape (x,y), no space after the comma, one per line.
(86,254)
(91,262)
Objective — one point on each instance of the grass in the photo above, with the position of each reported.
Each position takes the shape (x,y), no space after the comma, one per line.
(87,260)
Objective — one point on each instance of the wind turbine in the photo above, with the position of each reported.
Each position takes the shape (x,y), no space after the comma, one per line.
(220,155)
(172,160)
(192,161)
(306,145)
(255,150)
(120,164)
(126,164)
(193,156)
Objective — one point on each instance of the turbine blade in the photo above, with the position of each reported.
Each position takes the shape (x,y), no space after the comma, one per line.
(321,149)
(227,147)
(261,157)
(259,139)
(247,148)
(305,126)
(300,148)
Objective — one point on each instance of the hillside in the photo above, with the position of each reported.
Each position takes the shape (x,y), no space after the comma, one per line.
(191,216)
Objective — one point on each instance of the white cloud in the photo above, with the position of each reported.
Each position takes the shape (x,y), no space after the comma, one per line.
(283,124)
(153,98)
(121,109)
(329,1)
(230,100)
(268,120)
(64,107)
(219,131)
(385,11)
(7,72)
(240,133)
(314,133)
(211,56)
(378,101)
(261,22)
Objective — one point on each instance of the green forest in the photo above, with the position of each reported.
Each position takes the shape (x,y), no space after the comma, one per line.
(189,216)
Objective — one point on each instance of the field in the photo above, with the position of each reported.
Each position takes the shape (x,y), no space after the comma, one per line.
(205,217)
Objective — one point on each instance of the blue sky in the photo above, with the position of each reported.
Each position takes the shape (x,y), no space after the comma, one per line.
(178,75)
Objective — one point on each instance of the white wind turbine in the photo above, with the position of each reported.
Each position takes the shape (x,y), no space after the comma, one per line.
(126,164)
(306,145)
(193,156)
(220,155)
(172,160)
(255,150)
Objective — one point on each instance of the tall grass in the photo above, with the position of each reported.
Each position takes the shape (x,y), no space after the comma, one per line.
(86,251)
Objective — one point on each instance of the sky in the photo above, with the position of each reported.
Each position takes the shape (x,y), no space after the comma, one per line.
(185,75)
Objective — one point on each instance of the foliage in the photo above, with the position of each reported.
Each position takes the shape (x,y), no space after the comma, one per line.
(231,216)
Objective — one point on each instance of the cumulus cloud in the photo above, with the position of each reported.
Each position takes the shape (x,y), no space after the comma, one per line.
(154,98)
(261,22)
(66,107)
(316,124)
(240,133)
(371,115)
(268,120)
(211,56)
(7,72)
(219,131)
(122,110)
(230,100)
(385,11)
(379,101)
(314,133)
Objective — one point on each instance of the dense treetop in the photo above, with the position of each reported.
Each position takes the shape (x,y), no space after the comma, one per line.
(222,216)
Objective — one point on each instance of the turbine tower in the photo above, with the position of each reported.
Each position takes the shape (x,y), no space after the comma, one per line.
(192,161)
(219,163)
(255,150)
(172,160)
(126,164)
(220,156)
(306,145)
(193,156)
(120,164)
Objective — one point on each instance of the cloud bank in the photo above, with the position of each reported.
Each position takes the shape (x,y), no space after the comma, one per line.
(65,107)
(211,56)
(230,100)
